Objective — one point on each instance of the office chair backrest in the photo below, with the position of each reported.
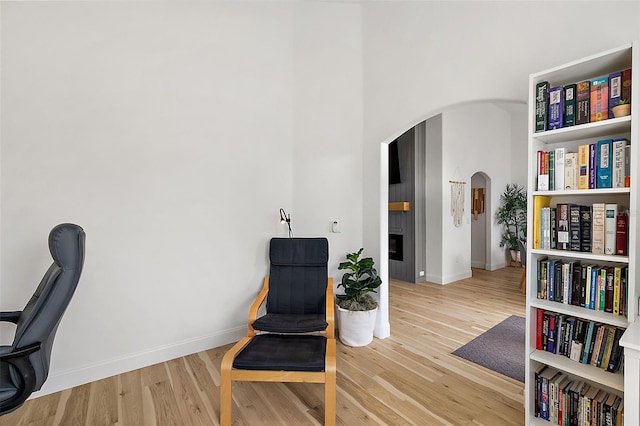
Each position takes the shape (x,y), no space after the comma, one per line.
(42,314)
(298,275)
(522,248)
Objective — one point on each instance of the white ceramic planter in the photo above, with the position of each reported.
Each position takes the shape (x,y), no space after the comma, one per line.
(355,328)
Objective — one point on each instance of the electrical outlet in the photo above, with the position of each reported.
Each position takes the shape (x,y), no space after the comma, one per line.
(422,273)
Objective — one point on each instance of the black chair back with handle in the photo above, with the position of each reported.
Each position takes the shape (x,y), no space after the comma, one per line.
(24,366)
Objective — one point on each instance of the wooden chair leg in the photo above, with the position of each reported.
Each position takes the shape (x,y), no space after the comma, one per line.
(523,280)
(225,396)
(330,384)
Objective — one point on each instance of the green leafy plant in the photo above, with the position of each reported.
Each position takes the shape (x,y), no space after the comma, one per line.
(358,283)
(512,214)
(621,102)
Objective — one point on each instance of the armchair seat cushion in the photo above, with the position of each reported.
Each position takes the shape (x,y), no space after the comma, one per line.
(283,323)
(283,352)
(7,388)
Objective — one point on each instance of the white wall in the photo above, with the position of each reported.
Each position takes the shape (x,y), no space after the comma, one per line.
(476,137)
(327,148)
(455,52)
(173,133)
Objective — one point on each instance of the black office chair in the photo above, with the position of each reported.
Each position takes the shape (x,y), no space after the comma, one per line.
(24,366)
(294,341)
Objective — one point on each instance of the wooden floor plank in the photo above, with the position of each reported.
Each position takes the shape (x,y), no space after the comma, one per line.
(409,378)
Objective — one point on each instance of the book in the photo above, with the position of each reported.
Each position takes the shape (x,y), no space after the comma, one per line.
(570,104)
(552,221)
(575,234)
(604,163)
(559,175)
(593,165)
(622,226)
(616,352)
(627,166)
(599,95)
(583,167)
(539,320)
(585,229)
(583,107)
(587,343)
(556,108)
(618,160)
(543,173)
(597,228)
(595,353)
(615,90)
(551,169)
(608,291)
(570,170)
(545,225)
(539,201)
(610,218)
(617,278)
(542,96)
(562,226)
(626,85)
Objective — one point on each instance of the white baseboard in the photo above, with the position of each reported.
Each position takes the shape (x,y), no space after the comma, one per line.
(478,264)
(448,279)
(89,373)
(496,266)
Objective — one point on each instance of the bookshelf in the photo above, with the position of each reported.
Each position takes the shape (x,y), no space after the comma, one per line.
(623,384)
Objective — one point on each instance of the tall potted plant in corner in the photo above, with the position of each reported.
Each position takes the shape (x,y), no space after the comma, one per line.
(512,214)
(356,308)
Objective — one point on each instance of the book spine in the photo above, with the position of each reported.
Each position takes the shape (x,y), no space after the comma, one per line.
(622,225)
(593,165)
(570,160)
(543,174)
(542,96)
(559,169)
(583,100)
(604,163)
(608,291)
(570,105)
(597,228)
(556,108)
(599,99)
(585,228)
(627,166)
(551,170)
(583,167)
(617,277)
(610,218)
(626,85)
(575,238)
(618,162)
(615,90)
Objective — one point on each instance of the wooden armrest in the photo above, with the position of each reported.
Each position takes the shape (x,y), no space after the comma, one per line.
(330,303)
(253,311)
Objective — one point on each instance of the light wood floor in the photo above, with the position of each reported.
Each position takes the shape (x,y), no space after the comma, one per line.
(409,378)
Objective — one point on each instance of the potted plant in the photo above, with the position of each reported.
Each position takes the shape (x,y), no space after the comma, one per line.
(621,108)
(512,214)
(356,308)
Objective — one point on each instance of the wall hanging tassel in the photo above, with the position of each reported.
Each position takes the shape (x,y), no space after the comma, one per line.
(457,202)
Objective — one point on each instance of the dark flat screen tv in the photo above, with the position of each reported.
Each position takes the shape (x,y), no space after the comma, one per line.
(394,163)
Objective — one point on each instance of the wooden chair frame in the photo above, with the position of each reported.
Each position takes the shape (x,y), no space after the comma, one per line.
(228,374)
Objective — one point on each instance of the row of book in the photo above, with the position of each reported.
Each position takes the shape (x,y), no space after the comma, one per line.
(602,164)
(594,287)
(599,228)
(564,400)
(581,102)
(580,340)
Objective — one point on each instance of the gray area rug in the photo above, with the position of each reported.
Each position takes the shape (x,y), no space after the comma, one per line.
(501,348)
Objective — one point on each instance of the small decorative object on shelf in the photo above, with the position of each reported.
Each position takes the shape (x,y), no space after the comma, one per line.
(622,108)
(583,284)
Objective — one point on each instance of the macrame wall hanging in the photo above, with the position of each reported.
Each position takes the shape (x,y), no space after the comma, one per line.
(457,201)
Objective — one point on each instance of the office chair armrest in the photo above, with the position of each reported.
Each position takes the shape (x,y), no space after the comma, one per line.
(10,316)
(253,311)
(20,360)
(330,308)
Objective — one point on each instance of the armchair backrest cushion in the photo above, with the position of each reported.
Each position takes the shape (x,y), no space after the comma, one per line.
(297,276)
